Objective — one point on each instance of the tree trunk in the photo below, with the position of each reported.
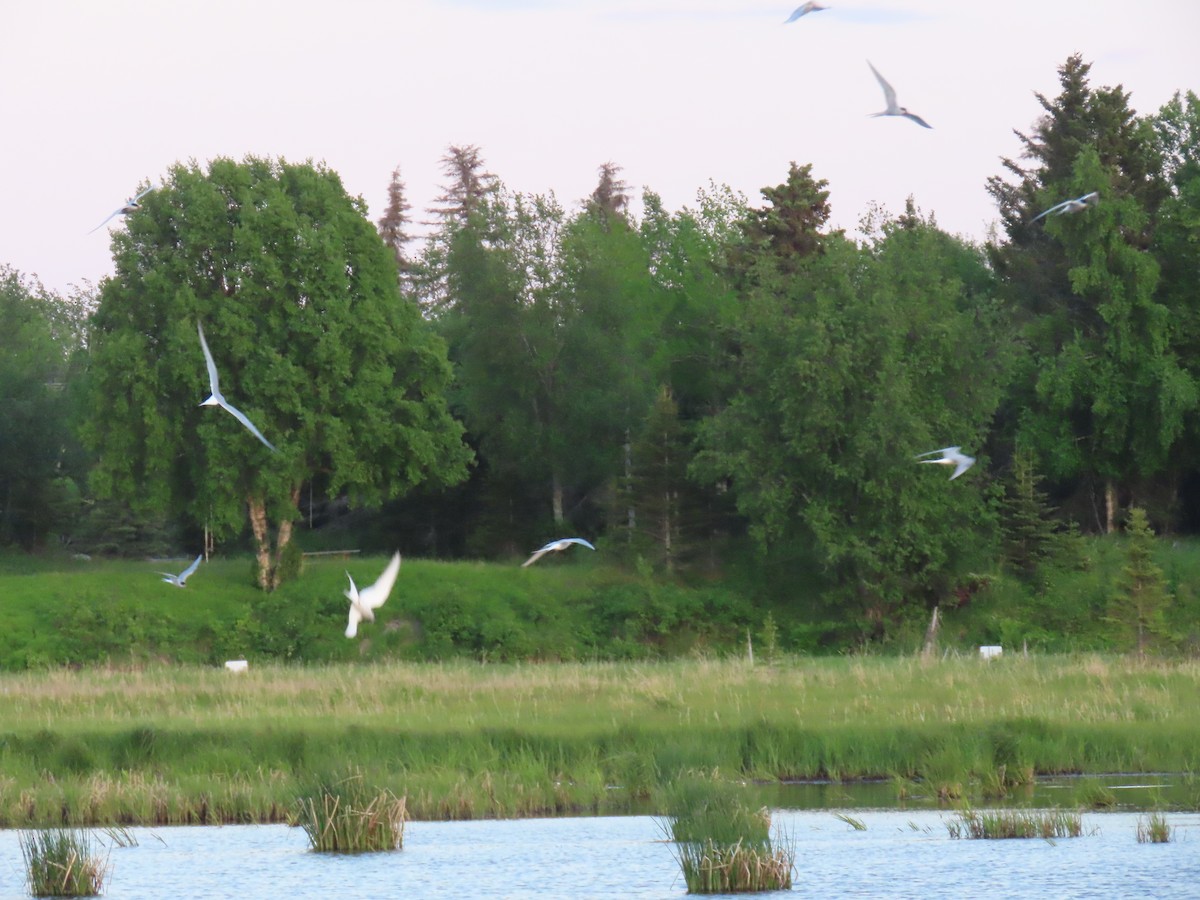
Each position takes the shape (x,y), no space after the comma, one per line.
(262,540)
(269,574)
(557,499)
(1110,507)
(931,635)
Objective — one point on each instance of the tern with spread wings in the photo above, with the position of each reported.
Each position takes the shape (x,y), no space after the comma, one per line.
(894,108)
(364,603)
(555,546)
(951,456)
(216,398)
(130,205)
(181,579)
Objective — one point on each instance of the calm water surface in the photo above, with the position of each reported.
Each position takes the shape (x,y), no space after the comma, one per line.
(900,854)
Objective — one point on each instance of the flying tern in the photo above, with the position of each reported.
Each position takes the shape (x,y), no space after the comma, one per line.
(553,546)
(893,108)
(1074,205)
(951,456)
(181,579)
(364,603)
(804,10)
(216,398)
(130,205)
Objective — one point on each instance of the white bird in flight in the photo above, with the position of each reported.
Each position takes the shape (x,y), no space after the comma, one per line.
(130,205)
(893,108)
(364,603)
(1074,205)
(951,456)
(804,10)
(181,579)
(216,398)
(561,544)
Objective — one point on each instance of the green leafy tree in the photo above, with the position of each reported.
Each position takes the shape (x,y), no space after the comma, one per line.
(299,303)
(1101,396)
(861,359)
(1139,607)
(38,336)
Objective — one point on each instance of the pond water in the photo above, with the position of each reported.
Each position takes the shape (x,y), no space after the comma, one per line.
(899,854)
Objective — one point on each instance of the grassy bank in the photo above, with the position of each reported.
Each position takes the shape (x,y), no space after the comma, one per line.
(88,612)
(460,740)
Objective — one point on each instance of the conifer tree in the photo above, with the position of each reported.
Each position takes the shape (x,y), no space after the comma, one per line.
(1139,607)
(393,224)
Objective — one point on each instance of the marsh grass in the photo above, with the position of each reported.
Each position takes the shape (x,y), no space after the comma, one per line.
(723,846)
(62,863)
(345,816)
(1013,823)
(1153,829)
(190,745)
(856,824)
(710,868)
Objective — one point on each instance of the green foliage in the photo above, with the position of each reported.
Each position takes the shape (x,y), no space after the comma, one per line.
(1139,606)
(299,301)
(36,346)
(846,374)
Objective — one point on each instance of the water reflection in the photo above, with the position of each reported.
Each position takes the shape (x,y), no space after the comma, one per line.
(901,853)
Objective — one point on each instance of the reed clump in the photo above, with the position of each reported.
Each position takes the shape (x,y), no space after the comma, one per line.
(1014,823)
(1153,829)
(346,816)
(722,846)
(62,862)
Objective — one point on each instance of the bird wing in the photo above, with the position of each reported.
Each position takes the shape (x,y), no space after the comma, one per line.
(110,215)
(943,451)
(579,541)
(798,12)
(889,93)
(241,417)
(376,595)
(214,384)
(963,463)
(152,187)
(917,119)
(186,573)
(355,617)
(537,554)
(1052,209)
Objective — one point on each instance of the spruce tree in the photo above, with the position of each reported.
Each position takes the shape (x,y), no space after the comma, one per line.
(1139,606)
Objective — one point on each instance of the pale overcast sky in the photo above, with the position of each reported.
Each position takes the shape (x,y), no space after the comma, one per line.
(98,96)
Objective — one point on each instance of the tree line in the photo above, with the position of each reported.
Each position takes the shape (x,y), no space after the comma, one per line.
(726,384)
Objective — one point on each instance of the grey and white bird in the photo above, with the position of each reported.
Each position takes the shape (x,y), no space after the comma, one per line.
(951,456)
(216,398)
(894,108)
(804,10)
(181,579)
(130,205)
(364,603)
(553,547)
(1074,205)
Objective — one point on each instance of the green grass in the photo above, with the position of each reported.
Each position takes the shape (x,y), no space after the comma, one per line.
(722,845)
(170,744)
(1154,829)
(62,863)
(67,612)
(1016,823)
(346,816)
